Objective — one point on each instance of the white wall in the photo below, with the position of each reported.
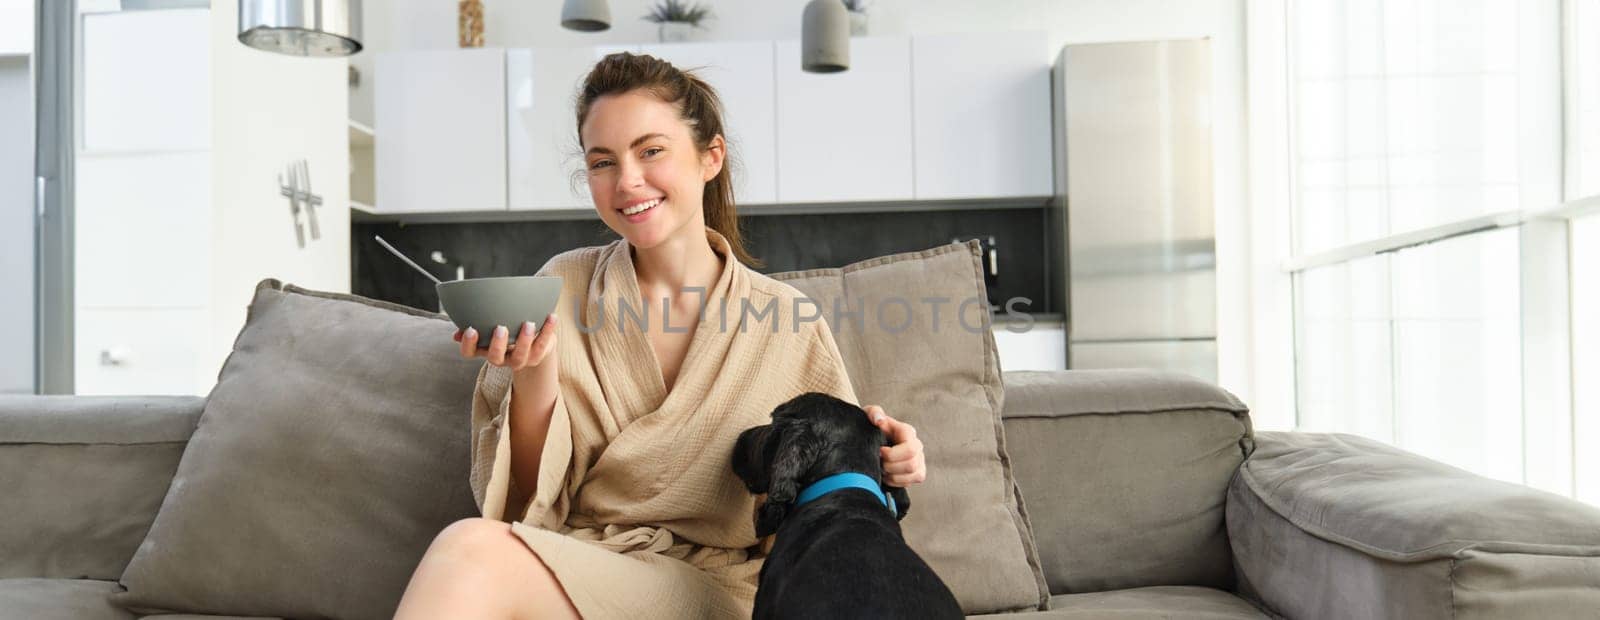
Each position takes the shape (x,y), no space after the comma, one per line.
(268,110)
(16,224)
(431,24)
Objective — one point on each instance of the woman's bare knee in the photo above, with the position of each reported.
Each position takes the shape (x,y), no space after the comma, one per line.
(490,558)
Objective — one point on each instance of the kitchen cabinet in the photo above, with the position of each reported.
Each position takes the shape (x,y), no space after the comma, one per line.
(1043,346)
(141,223)
(178,212)
(541,147)
(443,121)
(939,117)
(130,108)
(981,115)
(142,227)
(845,137)
(141,351)
(742,74)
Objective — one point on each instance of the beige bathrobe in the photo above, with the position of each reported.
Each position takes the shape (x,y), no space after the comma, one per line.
(637,510)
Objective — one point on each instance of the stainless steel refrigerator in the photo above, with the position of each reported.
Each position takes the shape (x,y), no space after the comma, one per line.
(1134,197)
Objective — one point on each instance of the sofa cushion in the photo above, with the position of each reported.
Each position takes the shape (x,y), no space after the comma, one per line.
(1151,603)
(1125,472)
(330,453)
(94,470)
(59,599)
(933,364)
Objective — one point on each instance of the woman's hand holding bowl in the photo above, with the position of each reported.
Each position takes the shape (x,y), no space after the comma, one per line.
(531,349)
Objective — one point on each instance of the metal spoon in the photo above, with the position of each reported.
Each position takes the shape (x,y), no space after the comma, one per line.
(415,266)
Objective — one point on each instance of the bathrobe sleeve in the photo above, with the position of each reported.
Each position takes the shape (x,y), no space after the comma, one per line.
(491,441)
(490,475)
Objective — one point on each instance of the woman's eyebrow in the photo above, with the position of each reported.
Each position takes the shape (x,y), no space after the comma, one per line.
(636,142)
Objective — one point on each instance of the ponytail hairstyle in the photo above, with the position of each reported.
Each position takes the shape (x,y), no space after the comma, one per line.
(698,105)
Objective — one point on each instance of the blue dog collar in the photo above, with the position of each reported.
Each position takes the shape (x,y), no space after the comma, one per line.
(845,480)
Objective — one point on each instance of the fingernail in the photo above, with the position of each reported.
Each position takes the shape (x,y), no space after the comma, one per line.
(527,328)
(470,333)
(499,330)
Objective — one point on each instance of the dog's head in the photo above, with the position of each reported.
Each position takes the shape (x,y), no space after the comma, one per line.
(811,436)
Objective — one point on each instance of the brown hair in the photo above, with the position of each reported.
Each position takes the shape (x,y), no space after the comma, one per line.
(698,105)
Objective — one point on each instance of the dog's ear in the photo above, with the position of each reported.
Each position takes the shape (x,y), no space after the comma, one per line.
(751,458)
(796,452)
(902,501)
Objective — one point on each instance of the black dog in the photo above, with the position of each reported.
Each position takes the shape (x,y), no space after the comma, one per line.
(840,555)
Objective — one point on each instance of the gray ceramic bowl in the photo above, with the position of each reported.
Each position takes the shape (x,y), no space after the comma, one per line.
(483,303)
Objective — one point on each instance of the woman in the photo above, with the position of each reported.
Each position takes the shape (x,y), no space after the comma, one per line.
(614,470)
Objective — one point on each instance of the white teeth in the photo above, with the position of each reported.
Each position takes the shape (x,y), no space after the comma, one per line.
(641,207)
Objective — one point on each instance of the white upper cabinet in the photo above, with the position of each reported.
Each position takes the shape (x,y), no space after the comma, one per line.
(982,115)
(442,117)
(16,27)
(939,117)
(741,73)
(545,160)
(846,137)
(128,105)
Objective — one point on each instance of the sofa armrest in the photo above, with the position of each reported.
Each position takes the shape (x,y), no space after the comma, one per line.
(83,478)
(1332,525)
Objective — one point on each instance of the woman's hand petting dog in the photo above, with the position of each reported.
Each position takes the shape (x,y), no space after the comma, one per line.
(903,464)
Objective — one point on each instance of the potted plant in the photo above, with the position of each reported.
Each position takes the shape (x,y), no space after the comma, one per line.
(858,17)
(676,19)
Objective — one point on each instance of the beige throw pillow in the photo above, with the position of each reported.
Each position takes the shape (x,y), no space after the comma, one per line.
(914,333)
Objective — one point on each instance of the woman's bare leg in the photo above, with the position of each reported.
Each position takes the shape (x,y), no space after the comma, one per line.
(476,568)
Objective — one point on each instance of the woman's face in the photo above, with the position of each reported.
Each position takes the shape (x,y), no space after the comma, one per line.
(638,153)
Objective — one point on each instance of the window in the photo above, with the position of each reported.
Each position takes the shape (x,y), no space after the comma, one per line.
(1433,252)
(1583,192)
(1583,77)
(1406,115)
(1585,246)
(1457,352)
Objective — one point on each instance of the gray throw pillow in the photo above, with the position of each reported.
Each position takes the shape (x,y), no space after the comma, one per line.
(330,453)
(914,333)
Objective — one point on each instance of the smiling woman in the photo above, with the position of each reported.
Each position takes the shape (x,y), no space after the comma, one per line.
(654,133)
(610,453)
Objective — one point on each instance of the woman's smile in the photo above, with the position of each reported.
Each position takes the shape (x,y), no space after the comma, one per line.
(641,211)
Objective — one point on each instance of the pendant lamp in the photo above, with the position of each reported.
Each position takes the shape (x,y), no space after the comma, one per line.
(320,28)
(586,15)
(825,37)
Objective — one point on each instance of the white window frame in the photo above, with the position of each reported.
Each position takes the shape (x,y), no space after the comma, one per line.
(1549,439)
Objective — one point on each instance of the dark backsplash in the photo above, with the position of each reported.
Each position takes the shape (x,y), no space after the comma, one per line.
(784,242)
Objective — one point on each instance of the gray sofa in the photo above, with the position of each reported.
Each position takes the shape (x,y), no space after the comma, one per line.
(1148,494)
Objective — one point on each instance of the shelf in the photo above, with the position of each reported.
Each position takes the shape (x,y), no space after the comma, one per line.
(357,207)
(361,136)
